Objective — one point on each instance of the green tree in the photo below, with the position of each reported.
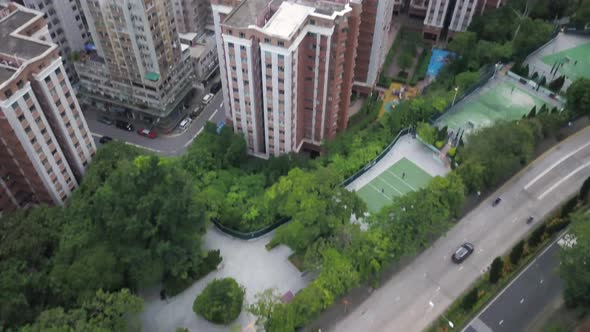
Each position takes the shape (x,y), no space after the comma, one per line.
(583,196)
(496,270)
(405,61)
(103,312)
(578,96)
(426,132)
(537,236)
(264,306)
(466,79)
(516,252)
(221,301)
(575,260)
(470,299)
(557,84)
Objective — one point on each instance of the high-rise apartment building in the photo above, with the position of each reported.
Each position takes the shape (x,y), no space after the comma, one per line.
(136,67)
(192,15)
(67,28)
(418,8)
(373,43)
(45,143)
(287,70)
(453,15)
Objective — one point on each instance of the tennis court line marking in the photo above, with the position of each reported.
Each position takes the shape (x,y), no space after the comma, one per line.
(402,180)
(392,187)
(547,170)
(379,191)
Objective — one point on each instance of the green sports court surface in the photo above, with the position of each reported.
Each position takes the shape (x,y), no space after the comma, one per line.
(402,177)
(575,61)
(507,101)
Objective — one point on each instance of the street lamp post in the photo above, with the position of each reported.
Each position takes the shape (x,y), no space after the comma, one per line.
(455,97)
(451,325)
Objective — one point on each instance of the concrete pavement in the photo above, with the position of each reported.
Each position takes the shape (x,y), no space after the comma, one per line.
(248,262)
(525,298)
(168,145)
(402,304)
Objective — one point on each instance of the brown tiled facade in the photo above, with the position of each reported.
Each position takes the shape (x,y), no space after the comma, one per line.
(287,69)
(45,143)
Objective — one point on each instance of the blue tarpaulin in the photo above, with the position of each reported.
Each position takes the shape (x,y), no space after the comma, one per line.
(438,59)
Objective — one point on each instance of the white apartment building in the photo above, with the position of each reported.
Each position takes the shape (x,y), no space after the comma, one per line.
(67,29)
(45,144)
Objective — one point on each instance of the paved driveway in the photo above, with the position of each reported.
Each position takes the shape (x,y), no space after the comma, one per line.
(402,304)
(248,262)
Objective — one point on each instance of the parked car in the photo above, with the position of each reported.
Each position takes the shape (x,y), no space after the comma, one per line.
(184,123)
(208,97)
(147,133)
(215,87)
(105,120)
(105,139)
(196,112)
(124,125)
(464,251)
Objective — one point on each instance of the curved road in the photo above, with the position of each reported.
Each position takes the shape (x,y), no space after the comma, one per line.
(417,295)
(169,145)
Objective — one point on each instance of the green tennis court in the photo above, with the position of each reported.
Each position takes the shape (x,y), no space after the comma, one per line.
(402,177)
(575,62)
(507,101)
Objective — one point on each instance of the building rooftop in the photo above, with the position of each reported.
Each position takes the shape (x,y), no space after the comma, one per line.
(287,19)
(22,48)
(246,13)
(6,73)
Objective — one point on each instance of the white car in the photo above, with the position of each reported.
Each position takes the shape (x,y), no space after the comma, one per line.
(208,97)
(184,123)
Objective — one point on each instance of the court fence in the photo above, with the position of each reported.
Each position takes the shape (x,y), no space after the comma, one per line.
(372,163)
(265,230)
(536,86)
(485,74)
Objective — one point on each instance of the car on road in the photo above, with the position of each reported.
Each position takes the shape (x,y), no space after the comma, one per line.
(215,87)
(147,133)
(124,125)
(184,123)
(196,112)
(105,120)
(497,201)
(105,139)
(208,97)
(464,251)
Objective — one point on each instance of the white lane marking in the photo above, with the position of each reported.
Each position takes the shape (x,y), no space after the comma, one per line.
(541,281)
(96,135)
(460,267)
(402,180)
(480,326)
(547,170)
(212,115)
(513,281)
(379,191)
(221,104)
(500,323)
(522,301)
(193,138)
(565,178)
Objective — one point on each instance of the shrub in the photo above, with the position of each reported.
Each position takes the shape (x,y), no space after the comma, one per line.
(496,270)
(439,144)
(516,252)
(557,225)
(470,299)
(176,284)
(452,151)
(221,301)
(537,236)
(584,190)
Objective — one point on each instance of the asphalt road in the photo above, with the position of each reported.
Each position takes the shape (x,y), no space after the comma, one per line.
(169,145)
(403,302)
(525,298)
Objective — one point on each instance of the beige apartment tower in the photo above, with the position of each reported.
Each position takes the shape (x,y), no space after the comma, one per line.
(135,66)
(287,70)
(45,144)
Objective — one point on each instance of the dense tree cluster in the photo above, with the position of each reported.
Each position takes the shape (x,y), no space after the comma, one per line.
(221,301)
(575,262)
